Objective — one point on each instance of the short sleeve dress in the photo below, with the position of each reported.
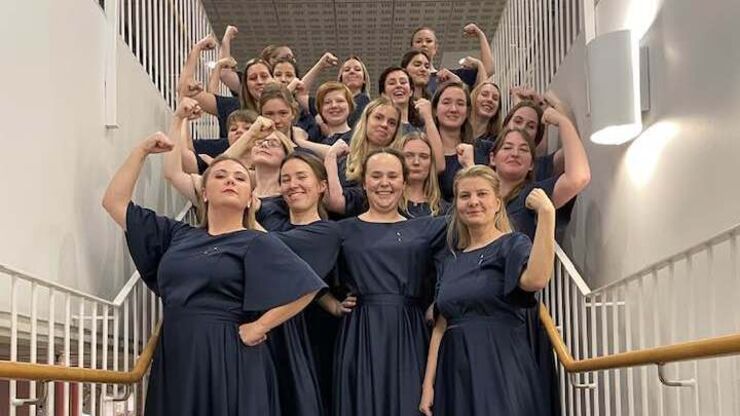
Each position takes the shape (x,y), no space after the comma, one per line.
(485,366)
(382,344)
(209,285)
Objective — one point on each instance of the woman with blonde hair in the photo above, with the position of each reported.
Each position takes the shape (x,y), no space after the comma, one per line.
(485,118)
(421,197)
(479,360)
(224,287)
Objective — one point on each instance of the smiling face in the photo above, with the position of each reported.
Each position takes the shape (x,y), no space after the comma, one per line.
(280,113)
(452,108)
(525,118)
(258,75)
(383,182)
(352,75)
(426,40)
(418,156)
(514,158)
(284,72)
(382,124)
(420,69)
(397,88)
(227,186)
(487,101)
(300,187)
(335,108)
(268,151)
(476,202)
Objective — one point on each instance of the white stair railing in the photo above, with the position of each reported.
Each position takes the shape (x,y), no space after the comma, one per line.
(688,296)
(49,323)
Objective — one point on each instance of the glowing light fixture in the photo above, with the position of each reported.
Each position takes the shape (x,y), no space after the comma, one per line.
(614,88)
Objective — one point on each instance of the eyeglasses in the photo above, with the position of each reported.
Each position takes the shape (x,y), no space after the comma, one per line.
(268,143)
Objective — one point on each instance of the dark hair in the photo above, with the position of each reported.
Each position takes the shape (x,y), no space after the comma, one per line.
(540,126)
(414,117)
(406,60)
(286,61)
(532,150)
(466,131)
(318,169)
(419,29)
(389,151)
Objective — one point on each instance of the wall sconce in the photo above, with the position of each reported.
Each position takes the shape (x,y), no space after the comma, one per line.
(614,87)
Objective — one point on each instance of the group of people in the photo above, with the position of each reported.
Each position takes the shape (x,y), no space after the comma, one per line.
(355,255)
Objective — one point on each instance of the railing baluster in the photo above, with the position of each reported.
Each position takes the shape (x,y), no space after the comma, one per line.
(67,345)
(81,345)
(616,301)
(94,351)
(605,350)
(13,338)
(628,345)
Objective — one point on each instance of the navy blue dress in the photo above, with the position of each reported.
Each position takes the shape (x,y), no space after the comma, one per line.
(481,151)
(485,366)
(524,220)
(468,77)
(422,209)
(209,285)
(382,344)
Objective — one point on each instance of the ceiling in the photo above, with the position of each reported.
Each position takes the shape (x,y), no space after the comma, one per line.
(378,31)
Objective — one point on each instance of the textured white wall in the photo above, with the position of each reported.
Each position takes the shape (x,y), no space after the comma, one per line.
(57,154)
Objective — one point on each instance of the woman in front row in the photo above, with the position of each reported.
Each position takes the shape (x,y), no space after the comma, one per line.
(479,360)
(215,282)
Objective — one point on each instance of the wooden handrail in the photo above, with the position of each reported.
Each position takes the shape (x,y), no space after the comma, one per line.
(704,348)
(49,372)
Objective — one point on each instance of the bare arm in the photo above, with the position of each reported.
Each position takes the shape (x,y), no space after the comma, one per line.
(121,187)
(326,61)
(300,137)
(255,332)
(222,64)
(189,161)
(427,388)
(334,199)
(229,76)
(188,86)
(335,307)
(577,172)
(539,267)
(173,166)
(424,107)
(486,55)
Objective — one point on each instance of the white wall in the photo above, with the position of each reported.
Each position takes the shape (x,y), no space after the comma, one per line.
(677,184)
(57,154)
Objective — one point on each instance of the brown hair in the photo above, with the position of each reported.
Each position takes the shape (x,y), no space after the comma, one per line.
(317,167)
(466,130)
(419,29)
(276,90)
(432,193)
(388,151)
(531,104)
(286,61)
(365,75)
(244,116)
(458,235)
(406,60)
(247,101)
(532,150)
(249,221)
(332,86)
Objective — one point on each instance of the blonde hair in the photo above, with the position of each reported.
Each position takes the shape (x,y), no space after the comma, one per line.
(494,124)
(287,145)
(365,75)
(359,146)
(249,220)
(432,195)
(458,234)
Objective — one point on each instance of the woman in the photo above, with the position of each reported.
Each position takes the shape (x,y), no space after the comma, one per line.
(473,71)
(479,363)
(215,282)
(452,107)
(395,83)
(486,115)
(421,197)
(378,128)
(334,103)
(352,73)
(384,261)
(417,63)
(257,74)
(284,71)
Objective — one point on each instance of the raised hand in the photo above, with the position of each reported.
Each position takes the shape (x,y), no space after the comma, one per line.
(227,63)
(552,116)
(231,32)
(328,60)
(188,109)
(424,107)
(207,43)
(465,154)
(538,200)
(338,149)
(445,75)
(261,128)
(470,62)
(157,143)
(472,30)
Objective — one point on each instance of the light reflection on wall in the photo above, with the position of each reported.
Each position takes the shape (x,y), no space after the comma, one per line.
(641,15)
(644,153)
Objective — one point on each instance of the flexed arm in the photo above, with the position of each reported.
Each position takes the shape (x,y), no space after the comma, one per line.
(187,86)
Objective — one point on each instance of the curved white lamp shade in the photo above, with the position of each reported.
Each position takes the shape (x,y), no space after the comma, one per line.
(614,88)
